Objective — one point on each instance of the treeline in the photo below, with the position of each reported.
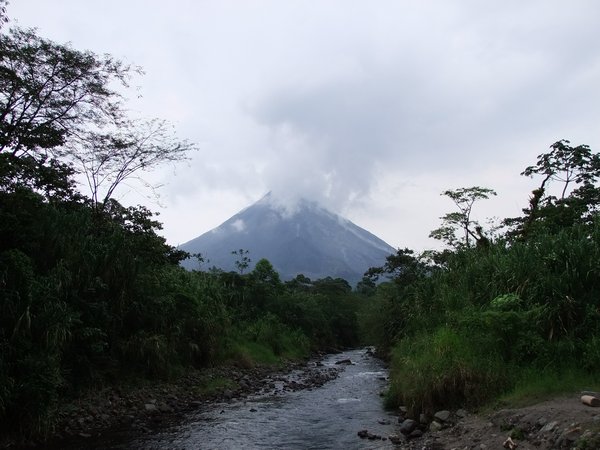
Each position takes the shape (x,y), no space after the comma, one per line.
(90,294)
(516,307)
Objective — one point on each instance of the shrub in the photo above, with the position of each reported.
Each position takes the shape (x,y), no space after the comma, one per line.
(444,368)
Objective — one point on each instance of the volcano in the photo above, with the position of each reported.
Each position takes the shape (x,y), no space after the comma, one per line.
(306,239)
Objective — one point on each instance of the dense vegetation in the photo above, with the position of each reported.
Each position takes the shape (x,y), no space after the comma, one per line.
(489,315)
(90,294)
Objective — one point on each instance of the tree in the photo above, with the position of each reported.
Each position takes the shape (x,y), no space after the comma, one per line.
(570,166)
(366,287)
(200,259)
(265,283)
(300,283)
(464,199)
(243,260)
(50,93)
(264,273)
(3,17)
(567,165)
(64,103)
(332,287)
(109,159)
(403,267)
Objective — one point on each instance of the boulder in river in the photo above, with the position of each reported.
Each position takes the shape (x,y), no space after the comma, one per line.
(344,361)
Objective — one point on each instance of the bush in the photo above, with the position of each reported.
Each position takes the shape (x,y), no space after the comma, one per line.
(444,368)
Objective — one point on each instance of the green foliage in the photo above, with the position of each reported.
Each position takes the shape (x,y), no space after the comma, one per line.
(265,340)
(89,292)
(88,298)
(523,315)
(50,93)
(577,170)
(530,305)
(214,385)
(443,369)
(243,260)
(460,221)
(534,385)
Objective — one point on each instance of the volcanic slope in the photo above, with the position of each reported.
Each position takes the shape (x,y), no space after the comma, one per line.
(308,240)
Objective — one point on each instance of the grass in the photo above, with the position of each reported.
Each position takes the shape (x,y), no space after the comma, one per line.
(215,385)
(252,353)
(534,387)
(442,369)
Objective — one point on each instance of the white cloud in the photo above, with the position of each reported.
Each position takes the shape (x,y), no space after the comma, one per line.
(371,108)
(238,225)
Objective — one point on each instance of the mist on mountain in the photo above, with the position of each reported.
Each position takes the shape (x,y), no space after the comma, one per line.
(299,237)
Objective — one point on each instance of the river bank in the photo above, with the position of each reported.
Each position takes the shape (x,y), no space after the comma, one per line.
(559,423)
(333,401)
(141,409)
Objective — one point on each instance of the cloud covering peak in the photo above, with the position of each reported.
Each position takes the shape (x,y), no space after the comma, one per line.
(372,109)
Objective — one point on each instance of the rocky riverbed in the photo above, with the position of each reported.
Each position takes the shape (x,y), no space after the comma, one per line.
(559,423)
(142,409)
(328,402)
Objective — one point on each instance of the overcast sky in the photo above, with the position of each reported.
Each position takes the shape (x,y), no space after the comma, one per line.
(371,107)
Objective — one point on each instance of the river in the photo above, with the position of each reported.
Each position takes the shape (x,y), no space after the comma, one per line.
(327,417)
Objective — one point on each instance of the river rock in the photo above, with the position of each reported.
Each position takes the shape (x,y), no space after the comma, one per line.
(568,437)
(408,426)
(442,416)
(363,434)
(164,408)
(549,427)
(414,434)
(395,439)
(435,426)
(150,407)
(344,361)
(423,419)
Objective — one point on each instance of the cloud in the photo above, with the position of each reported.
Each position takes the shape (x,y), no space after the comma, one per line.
(371,108)
(453,98)
(238,225)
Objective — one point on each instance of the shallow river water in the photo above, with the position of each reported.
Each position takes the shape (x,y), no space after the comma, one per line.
(327,417)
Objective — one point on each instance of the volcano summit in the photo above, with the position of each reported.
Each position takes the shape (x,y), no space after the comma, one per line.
(307,239)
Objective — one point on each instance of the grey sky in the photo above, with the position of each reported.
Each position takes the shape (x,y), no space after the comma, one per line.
(372,108)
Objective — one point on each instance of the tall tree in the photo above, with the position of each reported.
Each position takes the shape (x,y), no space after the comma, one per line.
(3,16)
(243,260)
(109,159)
(63,103)
(50,93)
(464,199)
(577,170)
